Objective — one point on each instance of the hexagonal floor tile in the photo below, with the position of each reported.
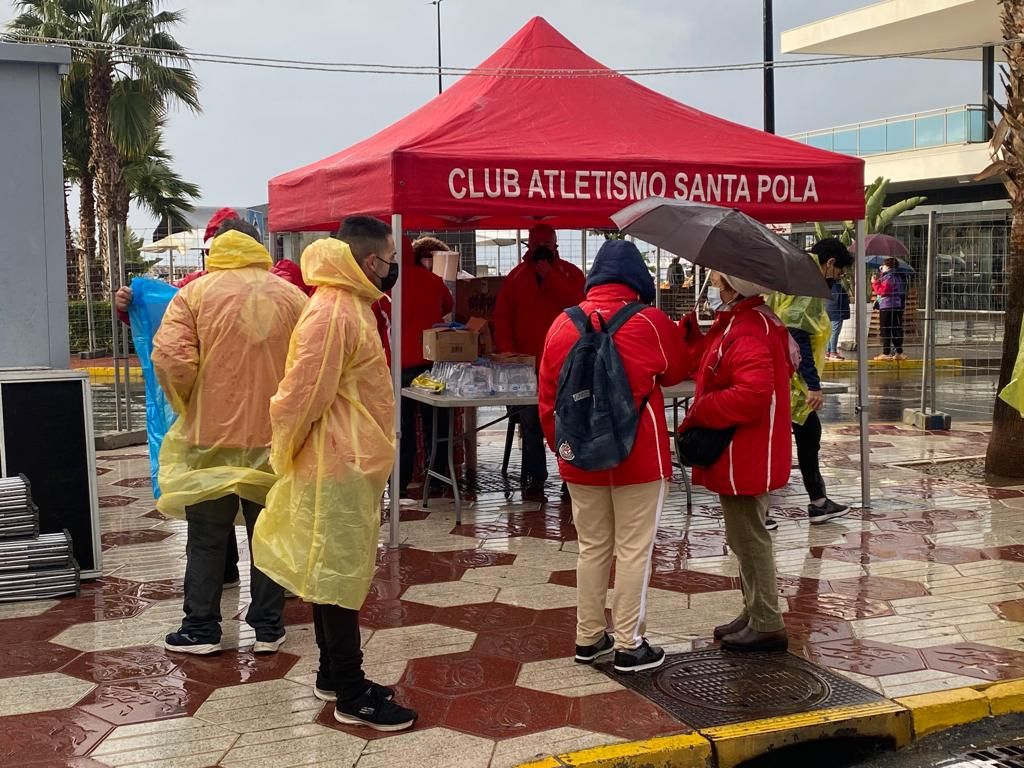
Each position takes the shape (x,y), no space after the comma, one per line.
(624,714)
(506,576)
(430,708)
(796,586)
(34,658)
(26,609)
(449,593)
(460,674)
(128,538)
(508,712)
(418,641)
(53,737)
(98,607)
(234,667)
(40,693)
(566,678)
(388,614)
(865,657)
(1011,610)
(123,664)
(180,741)
(33,629)
(838,606)
(879,588)
(539,596)
(256,707)
(526,644)
(805,628)
(433,746)
(557,741)
(306,744)
(144,699)
(481,617)
(693,582)
(975,660)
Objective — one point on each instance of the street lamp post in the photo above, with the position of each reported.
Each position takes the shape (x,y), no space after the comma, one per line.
(769,69)
(437,5)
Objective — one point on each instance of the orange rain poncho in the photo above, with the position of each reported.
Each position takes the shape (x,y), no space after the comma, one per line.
(219,355)
(334,439)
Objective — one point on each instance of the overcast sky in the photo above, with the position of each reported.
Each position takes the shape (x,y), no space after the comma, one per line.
(257,123)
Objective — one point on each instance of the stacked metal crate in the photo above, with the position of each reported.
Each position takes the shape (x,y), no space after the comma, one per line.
(32,566)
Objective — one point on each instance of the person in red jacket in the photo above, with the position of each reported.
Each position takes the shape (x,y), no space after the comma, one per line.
(531,299)
(425,302)
(617,511)
(743,383)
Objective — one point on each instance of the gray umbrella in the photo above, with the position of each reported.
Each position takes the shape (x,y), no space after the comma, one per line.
(725,240)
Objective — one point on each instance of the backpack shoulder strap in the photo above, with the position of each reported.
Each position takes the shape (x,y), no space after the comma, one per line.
(579,319)
(620,318)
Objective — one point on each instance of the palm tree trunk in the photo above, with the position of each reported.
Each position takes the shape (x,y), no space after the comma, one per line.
(87,229)
(104,161)
(1006,446)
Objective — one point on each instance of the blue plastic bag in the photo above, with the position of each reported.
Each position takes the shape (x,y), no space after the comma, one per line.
(149,301)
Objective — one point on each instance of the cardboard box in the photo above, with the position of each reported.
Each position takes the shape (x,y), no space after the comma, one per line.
(477,298)
(512,358)
(450,345)
(482,328)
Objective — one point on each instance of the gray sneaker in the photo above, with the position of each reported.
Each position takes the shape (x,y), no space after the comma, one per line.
(646,656)
(827,511)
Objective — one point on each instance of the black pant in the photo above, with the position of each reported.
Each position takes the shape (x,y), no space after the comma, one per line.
(341,659)
(210,526)
(808,444)
(408,451)
(535,453)
(231,559)
(890,322)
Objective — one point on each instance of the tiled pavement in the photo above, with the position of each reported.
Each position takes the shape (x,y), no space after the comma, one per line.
(474,624)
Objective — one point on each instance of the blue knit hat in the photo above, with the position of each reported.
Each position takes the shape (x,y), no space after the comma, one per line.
(619,261)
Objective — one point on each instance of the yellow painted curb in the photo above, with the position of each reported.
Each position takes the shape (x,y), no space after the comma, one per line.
(940,710)
(105,374)
(850,366)
(733,744)
(686,750)
(1005,698)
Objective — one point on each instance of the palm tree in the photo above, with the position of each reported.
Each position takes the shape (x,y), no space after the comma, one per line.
(134,70)
(1006,445)
(155,185)
(878,217)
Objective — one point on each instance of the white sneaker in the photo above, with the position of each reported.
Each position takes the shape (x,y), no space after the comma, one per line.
(269,646)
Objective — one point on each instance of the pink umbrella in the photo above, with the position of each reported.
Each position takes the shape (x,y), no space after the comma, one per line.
(883,245)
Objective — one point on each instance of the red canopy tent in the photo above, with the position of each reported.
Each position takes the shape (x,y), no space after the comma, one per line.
(541,131)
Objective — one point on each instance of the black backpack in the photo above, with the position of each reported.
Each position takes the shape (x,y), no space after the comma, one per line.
(595,416)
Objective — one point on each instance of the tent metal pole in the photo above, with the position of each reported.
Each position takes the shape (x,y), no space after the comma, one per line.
(657,278)
(583,252)
(861,297)
(396,379)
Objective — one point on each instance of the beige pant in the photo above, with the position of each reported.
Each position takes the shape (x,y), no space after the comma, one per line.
(620,524)
(751,543)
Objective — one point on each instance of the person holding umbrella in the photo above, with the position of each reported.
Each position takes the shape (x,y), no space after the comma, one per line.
(891,289)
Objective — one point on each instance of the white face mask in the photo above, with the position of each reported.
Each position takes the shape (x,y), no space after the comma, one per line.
(715,298)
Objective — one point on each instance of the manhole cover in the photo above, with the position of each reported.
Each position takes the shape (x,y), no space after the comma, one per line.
(712,687)
(1007,756)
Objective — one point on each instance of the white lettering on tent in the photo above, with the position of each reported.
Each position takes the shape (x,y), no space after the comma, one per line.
(628,186)
(681,189)
(512,183)
(458,194)
(810,190)
(658,185)
(582,183)
(536,186)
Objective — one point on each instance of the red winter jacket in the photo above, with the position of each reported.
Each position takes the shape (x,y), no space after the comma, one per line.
(525,309)
(654,354)
(425,302)
(292,272)
(743,381)
(382,313)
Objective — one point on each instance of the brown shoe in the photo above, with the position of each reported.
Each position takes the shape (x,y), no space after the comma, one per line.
(732,627)
(749,639)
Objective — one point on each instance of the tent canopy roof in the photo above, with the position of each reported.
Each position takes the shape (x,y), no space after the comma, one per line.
(567,142)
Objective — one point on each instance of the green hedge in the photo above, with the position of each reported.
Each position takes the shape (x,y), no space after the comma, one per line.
(78,325)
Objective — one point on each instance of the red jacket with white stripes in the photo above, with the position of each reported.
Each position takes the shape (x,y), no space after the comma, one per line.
(654,355)
(743,381)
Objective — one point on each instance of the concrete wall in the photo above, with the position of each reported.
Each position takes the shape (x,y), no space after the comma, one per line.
(33,279)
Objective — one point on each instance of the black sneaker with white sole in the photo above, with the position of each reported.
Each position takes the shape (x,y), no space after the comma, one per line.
(180,642)
(588,654)
(644,657)
(325,692)
(771,524)
(373,710)
(827,511)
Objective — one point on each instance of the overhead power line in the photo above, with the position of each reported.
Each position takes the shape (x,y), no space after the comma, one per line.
(528,72)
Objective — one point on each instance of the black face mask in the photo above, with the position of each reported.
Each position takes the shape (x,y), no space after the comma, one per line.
(831,281)
(388,281)
(543,253)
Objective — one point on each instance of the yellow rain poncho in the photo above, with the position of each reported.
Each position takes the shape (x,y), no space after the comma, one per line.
(219,355)
(1013,393)
(805,314)
(334,440)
